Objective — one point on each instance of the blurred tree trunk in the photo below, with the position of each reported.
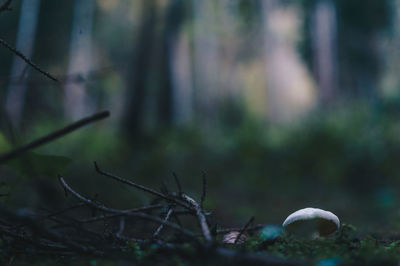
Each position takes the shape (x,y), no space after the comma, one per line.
(324,38)
(134,110)
(391,81)
(174,18)
(360,30)
(182,80)
(76,101)
(228,17)
(289,86)
(206,61)
(25,43)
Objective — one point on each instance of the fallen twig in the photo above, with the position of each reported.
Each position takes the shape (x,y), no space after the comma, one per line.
(143,188)
(52,136)
(244,229)
(204,190)
(201,218)
(170,211)
(133,214)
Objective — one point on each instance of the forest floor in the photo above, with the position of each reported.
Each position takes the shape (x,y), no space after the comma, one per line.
(346,247)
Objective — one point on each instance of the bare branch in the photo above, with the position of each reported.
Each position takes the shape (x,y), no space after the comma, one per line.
(244,229)
(27,60)
(204,191)
(138,215)
(178,183)
(54,135)
(121,226)
(105,217)
(38,229)
(143,188)
(157,232)
(201,218)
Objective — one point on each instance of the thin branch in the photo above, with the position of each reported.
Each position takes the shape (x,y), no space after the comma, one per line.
(201,218)
(157,232)
(56,213)
(121,227)
(5,6)
(27,60)
(124,212)
(54,135)
(204,191)
(137,215)
(40,230)
(146,189)
(178,183)
(244,229)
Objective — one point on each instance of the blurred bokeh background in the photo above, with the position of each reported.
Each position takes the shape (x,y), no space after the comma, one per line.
(284,104)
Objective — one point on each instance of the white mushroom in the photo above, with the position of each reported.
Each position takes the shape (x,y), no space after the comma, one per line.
(311,222)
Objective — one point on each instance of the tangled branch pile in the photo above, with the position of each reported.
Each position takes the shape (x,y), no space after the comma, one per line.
(61,234)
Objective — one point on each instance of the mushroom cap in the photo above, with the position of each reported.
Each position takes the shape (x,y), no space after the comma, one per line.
(312,221)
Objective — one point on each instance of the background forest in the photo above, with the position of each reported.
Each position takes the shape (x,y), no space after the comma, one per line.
(284,104)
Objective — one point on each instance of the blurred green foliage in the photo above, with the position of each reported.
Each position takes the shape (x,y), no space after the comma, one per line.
(344,159)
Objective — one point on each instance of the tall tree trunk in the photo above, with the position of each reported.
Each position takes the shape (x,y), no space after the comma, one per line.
(324,38)
(25,43)
(173,20)
(182,80)
(206,61)
(228,19)
(290,89)
(76,102)
(134,110)
(391,80)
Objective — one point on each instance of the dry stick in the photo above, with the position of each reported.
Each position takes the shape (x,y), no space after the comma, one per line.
(121,227)
(178,184)
(50,215)
(40,230)
(5,6)
(64,222)
(203,194)
(157,232)
(54,135)
(201,218)
(105,217)
(244,229)
(56,213)
(146,189)
(27,60)
(137,215)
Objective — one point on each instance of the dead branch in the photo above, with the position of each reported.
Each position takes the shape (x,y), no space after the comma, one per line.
(170,211)
(106,217)
(137,215)
(143,188)
(57,234)
(244,229)
(204,190)
(54,135)
(201,218)
(178,183)
(27,60)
